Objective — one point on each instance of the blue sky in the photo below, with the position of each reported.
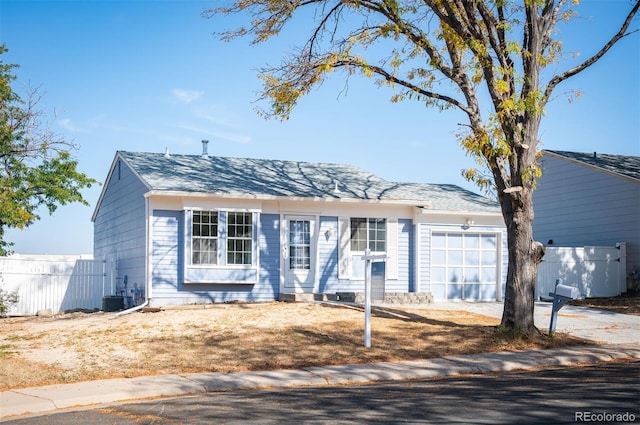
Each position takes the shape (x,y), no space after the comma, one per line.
(149,75)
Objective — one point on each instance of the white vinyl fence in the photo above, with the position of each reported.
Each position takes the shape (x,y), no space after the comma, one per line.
(55,282)
(596,271)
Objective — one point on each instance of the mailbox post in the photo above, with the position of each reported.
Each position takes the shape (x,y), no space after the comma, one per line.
(368,259)
(562,294)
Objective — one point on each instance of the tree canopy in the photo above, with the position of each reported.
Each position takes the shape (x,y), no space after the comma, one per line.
(37,168)
(444,54)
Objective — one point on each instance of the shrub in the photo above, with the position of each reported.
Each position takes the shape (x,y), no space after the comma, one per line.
(7,299)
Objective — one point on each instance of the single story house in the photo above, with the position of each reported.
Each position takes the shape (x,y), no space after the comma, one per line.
(589,199)
(200,228)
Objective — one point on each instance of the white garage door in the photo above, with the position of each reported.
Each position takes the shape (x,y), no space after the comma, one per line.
(464,266)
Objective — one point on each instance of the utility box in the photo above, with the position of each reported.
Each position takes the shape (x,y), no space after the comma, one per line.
(378,272)
(111,303)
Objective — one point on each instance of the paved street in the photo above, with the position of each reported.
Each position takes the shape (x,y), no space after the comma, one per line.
(554,395)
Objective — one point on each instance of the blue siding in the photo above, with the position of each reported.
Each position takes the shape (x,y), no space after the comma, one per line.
(425,258)
(167,265)
(328,255)
(166,253)
(329,282)
(328,260)
(119,225)
(578,205)
(405,259)
(269,246)
(221,275)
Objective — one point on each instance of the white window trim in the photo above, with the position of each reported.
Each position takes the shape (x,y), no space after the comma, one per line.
(345,254)
(222,239)
(344,248)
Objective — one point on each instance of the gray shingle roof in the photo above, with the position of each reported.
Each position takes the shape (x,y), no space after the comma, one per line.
(230,177)
(625,165)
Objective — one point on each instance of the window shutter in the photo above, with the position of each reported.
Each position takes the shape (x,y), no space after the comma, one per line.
(344,249)
(392,249)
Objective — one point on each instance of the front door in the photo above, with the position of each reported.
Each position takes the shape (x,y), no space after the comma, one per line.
(299,253)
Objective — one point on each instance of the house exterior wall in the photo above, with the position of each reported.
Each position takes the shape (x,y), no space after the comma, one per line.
(120,225)
(169,248)
(406,253)
(149,233)
(167,265)
(330,281)
(579,205)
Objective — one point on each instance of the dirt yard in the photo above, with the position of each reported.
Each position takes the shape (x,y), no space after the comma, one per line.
(236,337)
(628,303)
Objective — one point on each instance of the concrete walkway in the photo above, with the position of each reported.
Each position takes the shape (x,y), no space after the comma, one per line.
(596,325)
(620,332)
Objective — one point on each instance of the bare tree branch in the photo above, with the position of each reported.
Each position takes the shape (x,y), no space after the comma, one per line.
(593,59)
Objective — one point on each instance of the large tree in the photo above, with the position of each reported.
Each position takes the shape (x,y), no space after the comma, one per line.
(36,165)
(446,54)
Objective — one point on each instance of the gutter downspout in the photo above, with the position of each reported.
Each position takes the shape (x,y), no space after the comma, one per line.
(132,309)
(146,265)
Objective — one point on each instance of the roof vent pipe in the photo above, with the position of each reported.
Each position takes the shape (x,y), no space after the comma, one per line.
(205,143)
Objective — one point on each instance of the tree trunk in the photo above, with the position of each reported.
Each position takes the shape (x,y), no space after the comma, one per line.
(524,256)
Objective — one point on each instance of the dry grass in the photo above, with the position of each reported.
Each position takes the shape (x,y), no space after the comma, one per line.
(628,303)
(237,337)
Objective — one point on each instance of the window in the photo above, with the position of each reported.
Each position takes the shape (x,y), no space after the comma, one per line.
(204,245)
(368,233)
(299,244)
(240,238)
(231,244)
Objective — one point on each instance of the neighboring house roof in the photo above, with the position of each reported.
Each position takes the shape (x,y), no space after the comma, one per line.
(625,165)
(242,177)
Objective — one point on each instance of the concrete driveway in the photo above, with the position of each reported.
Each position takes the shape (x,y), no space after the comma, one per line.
(588,323)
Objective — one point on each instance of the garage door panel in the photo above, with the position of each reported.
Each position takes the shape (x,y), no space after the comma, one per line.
(489,258)
(489,275)
(454,291)
(438,290)
(454,257)
(464,265)
(487,292)
(472,275)
(472,258)
(454,240)
(439,256)
(439,274)
(472,241)
(489,242)
(438,240)
(454,274)
(471,291)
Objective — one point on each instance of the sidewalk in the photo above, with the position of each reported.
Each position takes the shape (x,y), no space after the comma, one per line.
(620,332)
(40,400)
